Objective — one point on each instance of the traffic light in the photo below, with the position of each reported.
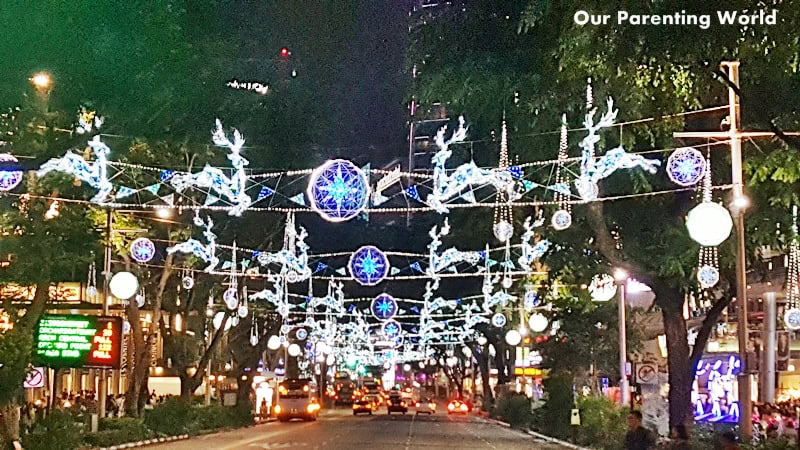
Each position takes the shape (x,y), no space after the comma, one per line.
(284,52)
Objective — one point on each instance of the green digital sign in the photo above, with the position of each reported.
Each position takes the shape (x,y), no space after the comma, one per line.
(79,341)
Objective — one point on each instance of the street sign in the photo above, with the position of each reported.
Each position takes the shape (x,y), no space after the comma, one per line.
(34,378)
(646,373)
(78,341)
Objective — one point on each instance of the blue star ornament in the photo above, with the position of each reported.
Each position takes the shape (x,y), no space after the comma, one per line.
(368,265)
(142,250)
(384,307)
(338,190)
(686,166)
(392,329)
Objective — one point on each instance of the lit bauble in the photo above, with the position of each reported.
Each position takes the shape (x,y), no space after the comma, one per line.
(187,283)
(231,298)
(686,166)
(139,300)
(503,231)
(368,265)
(391,329)
(707,276)
(791,318)
(561,220)
(10,172)
(274,342)
(513,337)
(253,340)
(531,300)
(602,288)
(294,350)
(499,320)
(406,367)
(218,318)
(123,285)
(301,334)
(142,250)
(482,340)
(330,360)
(538,323)
(383,307)
(507,282)
(709,224)
(338,190)
(242,311)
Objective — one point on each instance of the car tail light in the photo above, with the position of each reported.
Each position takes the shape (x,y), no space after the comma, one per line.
(464,407)
(451,406)
(417,405)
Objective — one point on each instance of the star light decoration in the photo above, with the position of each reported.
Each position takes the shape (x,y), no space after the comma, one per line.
(368,265)
(384,307)
(338,190)
(391,329)
(686,166)
(142,250)
(499,320)
(10,172)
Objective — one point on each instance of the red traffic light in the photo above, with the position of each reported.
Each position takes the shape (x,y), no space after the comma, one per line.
(284,52)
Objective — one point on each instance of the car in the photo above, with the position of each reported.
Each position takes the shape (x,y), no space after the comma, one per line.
(457,407)
(426,406)
(396,404)
(363,406)
(375,399)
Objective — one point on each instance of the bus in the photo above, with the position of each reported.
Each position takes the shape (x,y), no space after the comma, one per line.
(296,400)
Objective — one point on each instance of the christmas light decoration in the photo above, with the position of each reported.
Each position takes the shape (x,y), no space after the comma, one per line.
(513,338)
(334,301)
(686,166)
(142,250)
(87,121)
(709,224)
(10,172)
(538,322)
(123,285)
(293,258)
(206,252)
(276,296)
(384,307)
(503,227)
(499,320)
(94,174)
(451,256)
(232,188)
(338,190)
(602,288)
(391,329)
(792,314)
(368,265)
(531,253)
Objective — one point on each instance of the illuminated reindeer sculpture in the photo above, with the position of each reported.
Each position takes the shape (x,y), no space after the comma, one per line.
(94,174)
(206,252)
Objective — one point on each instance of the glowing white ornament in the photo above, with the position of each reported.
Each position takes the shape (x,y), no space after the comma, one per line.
(482,340)
(538,322)
(142,250)
(139,300)
(123,285)
(792,318)
(331,360)
(242,311)
(686,166)
(467,352)
(531,299)
(709,224)
(422,364)
(499,320)
(513,337)
(253,340)
(503,231)
(218,318)
(507,282)
(707,276)
(187,283)
(561,220)
(301,334)
(406,367)
(274,342)
(294,350)
(602,288)
(231,298)
(321,346)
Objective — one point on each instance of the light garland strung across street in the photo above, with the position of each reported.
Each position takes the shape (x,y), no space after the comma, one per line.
(259,88)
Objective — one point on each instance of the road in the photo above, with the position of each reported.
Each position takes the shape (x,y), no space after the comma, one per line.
(338,429)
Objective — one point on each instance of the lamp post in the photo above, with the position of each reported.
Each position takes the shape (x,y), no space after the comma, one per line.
(620,278)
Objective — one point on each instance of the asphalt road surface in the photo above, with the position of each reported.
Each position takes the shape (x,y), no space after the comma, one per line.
(338,429)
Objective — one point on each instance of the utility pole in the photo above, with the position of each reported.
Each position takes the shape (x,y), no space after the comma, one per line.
(734,135)
(103,385)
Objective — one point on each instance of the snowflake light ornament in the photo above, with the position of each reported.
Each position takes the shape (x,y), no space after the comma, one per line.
(384,307)
(142,250)
(391,329)
(499,320)
(10,172)
(368,265)
(686,166)
(561,220)
(707,276)
(338,190)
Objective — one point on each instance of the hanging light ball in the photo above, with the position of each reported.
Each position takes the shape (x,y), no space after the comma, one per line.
(10,172)
(139,300)
(686,166)
(530,300)
(123,285)
(231,298)
(330,360)
(499,320)
(561,220)
(218,318)
(503,231)
(91,291)
(301,334)
(274,342)
(294,350)
(242,311)
(792,318)
(338,190)
(187,283)
(422,364)
(707,276)
(406,367)
(253,340)
(142,250)
(709,224)
(602,288)
(538,322)
(507,282)
(513,337)
(482,340)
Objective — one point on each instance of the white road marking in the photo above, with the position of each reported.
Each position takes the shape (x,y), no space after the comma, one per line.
(410,432)
(262,437)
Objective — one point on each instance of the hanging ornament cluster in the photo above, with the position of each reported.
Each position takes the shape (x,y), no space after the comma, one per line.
(503,227)
(708,259)
(792,314)
(384,307)
(562,218)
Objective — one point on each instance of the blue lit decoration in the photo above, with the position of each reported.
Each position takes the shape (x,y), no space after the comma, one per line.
(338,190)
(595,169)
(451,256)
(206,252)
(94,174)
(716,396)
(446,187)
(391,329)
(231,298)
(499,320)
(276,296)
(232,188)
(368,265)
(686,166)
(334,301)
(531,253)
(87,121)
(10,172)
(383,307)
(561,220)
(531,300)
(293,258)
(301,334)
(142,250)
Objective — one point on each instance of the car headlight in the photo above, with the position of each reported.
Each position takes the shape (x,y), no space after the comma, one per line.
(464,407)
(278,409)
(313,407)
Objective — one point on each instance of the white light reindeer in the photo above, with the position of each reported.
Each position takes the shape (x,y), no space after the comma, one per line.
(206,252)
(446,186)
(293,258)
(334,301)
(275,296)
(531,253)
(94,174)
(449,257)
(595,169)
(232,188)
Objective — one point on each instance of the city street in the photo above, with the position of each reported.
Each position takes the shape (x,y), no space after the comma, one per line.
(338,429)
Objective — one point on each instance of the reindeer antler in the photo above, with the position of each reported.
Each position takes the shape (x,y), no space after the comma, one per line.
(219,138)
(458,136)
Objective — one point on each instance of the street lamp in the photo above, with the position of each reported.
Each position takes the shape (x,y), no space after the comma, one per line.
(42,82)
(620,279)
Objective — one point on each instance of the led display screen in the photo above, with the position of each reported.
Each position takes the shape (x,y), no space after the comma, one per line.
(78,341)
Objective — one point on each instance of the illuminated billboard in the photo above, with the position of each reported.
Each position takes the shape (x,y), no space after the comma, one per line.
(78,341)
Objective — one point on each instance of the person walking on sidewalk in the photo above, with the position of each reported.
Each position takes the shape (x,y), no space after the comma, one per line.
(638,437)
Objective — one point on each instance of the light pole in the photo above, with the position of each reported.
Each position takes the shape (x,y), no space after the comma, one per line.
(620,278)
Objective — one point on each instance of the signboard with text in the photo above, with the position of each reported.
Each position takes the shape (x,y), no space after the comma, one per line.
(79,341)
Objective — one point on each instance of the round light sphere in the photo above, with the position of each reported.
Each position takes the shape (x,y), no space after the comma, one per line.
(383,307)
(482,340)
(253,340)
(368,265)
(338,190)
(561,220)
(499,320)
(422,364)
(139,300)
(10,172)
(218,318)
(294,350)
(792,318)
(503,231)
(707,276)
(507,282)
(142,250)
(301,334)
(123,285)
(274,342)
(513,337)
(709,224)
(467,352)
(530,300)
(602,287)
(231,298)
(242,311)
(406,367)
(187,283)
(330,360)
(686,166)
(538,323)
(391,329)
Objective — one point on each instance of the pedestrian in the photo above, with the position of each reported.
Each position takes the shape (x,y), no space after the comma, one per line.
(680,438)
(638,437)
(729,441)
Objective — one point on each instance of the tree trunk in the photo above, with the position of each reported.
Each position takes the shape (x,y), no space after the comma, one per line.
(681,375)
(9,431)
